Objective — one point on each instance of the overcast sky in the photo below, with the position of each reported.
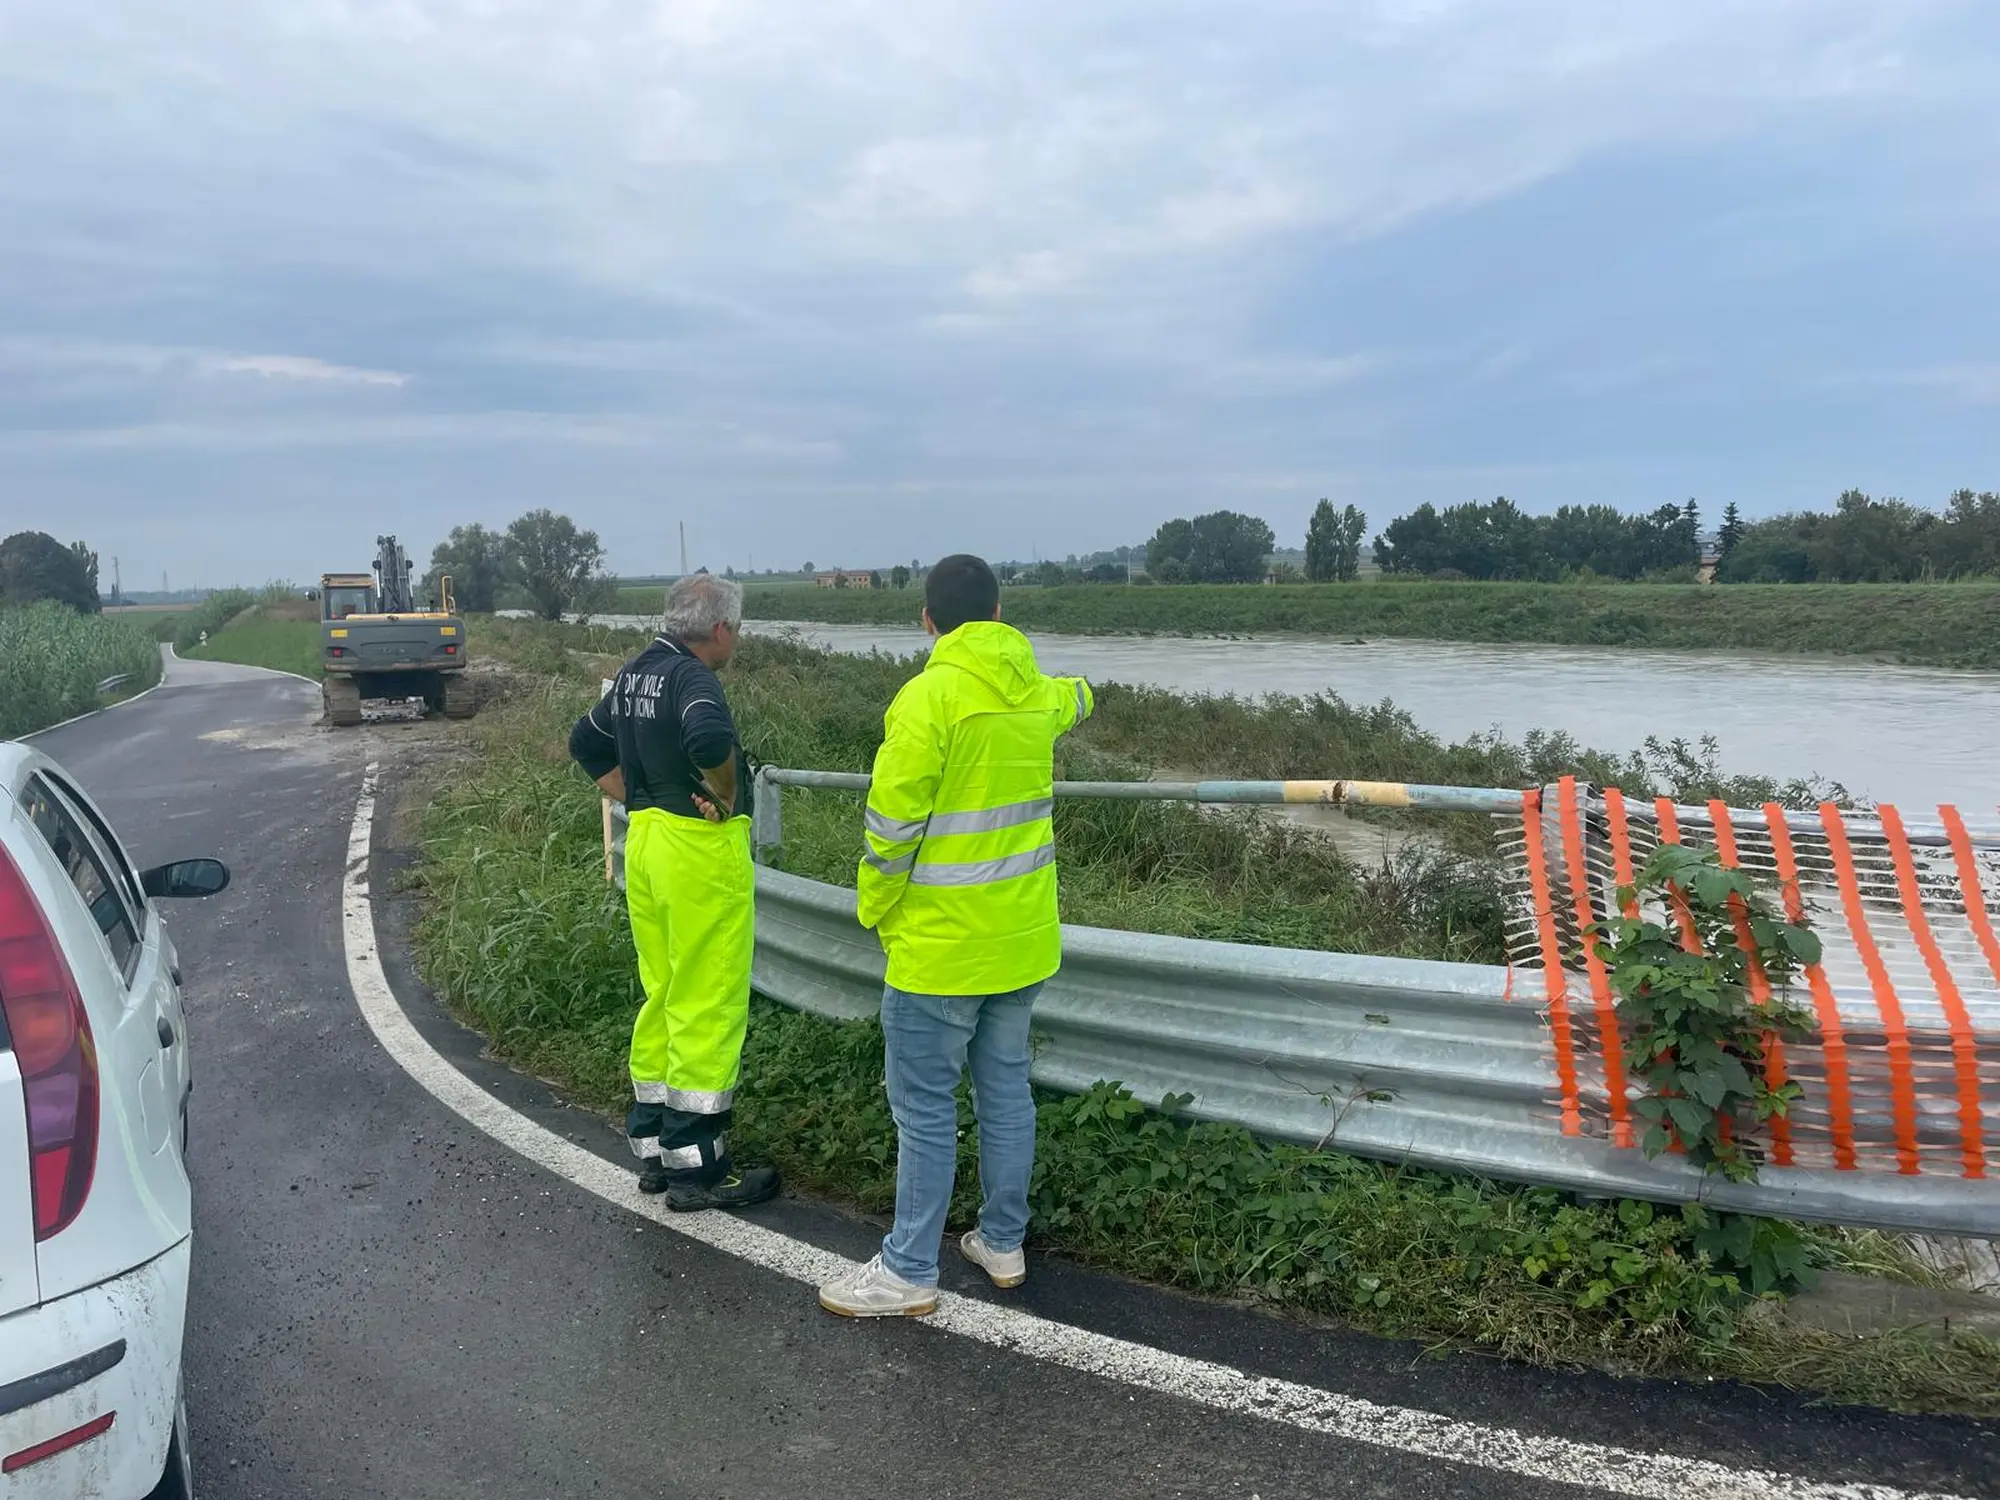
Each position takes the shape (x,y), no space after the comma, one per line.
(867,280)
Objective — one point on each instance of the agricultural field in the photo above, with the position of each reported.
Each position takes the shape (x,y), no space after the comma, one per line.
(52,660)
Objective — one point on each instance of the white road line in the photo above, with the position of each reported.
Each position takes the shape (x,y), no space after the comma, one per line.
(1399,1429)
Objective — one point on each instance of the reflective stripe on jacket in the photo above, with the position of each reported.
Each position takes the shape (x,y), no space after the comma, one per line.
(958,875)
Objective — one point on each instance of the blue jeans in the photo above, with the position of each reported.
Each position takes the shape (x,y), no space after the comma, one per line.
(929,1039)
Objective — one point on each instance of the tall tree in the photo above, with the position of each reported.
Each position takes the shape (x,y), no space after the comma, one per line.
(899,577)
(1230,547)
(1731,532)
(88,559)
(1322,544)
(1347,549)
(1220,547)
(552,560)
(35,566)
(1168,552)
(476,559)
(1412,543)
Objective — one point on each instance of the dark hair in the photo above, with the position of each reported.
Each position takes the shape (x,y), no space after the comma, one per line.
(959,590)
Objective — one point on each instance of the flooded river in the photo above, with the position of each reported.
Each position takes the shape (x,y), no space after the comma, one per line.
(1910,735)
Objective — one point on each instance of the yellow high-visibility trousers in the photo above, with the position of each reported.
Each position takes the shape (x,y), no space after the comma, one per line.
(690,888)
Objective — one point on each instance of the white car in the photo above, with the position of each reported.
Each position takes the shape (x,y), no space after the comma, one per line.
(95,1211)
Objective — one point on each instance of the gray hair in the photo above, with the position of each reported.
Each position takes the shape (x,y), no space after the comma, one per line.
(699,603)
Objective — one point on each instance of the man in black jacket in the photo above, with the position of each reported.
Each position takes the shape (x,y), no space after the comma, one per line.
(662,742)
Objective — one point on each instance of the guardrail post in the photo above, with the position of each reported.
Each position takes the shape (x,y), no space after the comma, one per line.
(767,816)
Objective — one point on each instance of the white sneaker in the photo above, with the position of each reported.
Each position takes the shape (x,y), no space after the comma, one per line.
(1003,1267)
(875,1291)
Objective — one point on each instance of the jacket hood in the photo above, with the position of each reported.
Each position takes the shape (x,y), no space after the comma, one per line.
(997,654)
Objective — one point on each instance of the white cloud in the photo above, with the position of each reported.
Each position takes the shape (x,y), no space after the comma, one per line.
(153,362)
(1012,146)
(706,438)
(303,367)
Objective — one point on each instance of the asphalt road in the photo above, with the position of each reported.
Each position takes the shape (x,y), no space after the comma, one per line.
(387,1302)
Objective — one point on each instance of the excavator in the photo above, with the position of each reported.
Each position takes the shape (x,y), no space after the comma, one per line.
(376,643)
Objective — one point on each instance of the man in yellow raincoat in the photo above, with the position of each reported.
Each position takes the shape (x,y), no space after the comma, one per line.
(663,743)
(958,878)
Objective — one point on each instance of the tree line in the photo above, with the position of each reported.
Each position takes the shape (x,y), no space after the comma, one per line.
(1499,540)
(1864,540)
(1861,540)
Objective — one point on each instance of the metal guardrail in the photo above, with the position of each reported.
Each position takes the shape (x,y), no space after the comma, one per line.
(112,684)
(1442,1065)
(1398,1059)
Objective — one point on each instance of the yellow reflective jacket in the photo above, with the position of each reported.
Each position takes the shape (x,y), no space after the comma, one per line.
(959,875)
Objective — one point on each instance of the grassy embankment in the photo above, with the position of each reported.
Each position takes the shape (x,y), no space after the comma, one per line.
(1947,625)
(524,939)
(275,629)
(52,659)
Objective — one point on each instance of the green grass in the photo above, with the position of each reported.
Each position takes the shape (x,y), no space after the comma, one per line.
(283,645)
(1950,625)
(524,939)
(52,659)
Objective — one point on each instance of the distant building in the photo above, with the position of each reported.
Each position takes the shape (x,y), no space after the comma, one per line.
(1709,559)
(849,578)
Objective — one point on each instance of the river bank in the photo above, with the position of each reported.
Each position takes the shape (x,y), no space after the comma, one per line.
(1941,625)
(1914,736)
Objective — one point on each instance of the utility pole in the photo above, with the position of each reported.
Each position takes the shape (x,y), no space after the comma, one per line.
(117,594)
(684,549)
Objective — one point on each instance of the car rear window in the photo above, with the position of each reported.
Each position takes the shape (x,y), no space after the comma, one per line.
(85,867)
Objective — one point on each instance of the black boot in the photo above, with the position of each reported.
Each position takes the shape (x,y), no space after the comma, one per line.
(732,1188)
(653,1175)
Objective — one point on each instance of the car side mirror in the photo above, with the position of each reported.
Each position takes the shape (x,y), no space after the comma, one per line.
(186,877)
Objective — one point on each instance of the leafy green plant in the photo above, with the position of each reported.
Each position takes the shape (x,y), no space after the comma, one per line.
(1698,1018)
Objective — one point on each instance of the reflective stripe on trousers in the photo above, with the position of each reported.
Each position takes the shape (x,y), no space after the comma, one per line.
(688,1101)
(676,1158)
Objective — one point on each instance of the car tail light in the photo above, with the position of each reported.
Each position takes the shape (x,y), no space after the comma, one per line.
(55,1053)
(76,1437)
(451,651)
(340,651)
